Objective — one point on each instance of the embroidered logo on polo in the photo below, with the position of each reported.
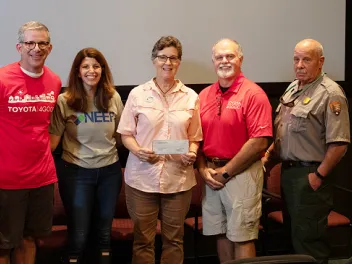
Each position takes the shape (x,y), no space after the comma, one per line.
(92,117)
(233,105)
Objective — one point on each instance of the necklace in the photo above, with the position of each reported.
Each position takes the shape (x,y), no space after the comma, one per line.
(164,93)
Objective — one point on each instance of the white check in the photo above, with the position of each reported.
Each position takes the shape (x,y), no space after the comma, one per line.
(170,146)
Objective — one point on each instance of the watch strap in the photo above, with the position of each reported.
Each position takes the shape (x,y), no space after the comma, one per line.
(319,175)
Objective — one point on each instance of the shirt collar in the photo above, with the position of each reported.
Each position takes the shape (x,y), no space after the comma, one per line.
(179,86)
(32,74)
(235,86)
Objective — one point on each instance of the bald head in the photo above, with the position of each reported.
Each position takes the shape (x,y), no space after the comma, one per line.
(230,44)
(308,60)
(311,44)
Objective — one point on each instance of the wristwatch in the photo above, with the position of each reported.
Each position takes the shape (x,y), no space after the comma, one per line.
(225,175)
(319,175)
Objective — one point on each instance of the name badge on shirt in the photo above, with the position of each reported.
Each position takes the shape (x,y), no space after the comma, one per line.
(149,99)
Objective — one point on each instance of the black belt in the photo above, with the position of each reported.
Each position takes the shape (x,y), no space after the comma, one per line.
(217,161)
(298,163)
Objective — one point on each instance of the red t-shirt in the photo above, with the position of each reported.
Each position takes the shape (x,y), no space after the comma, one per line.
(26,104)
(245,112)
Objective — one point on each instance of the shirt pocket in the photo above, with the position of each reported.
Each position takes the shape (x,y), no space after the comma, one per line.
(182,116)
(299,119)
(149,112)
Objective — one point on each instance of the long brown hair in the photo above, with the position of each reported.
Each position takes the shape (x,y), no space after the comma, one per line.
(76,95)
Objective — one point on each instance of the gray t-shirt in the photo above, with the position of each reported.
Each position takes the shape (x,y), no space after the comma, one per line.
(88,138)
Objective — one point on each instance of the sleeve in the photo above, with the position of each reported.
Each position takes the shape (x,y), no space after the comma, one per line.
(195,128)
(2,92)
(258,116)
(128,120)
(337,122)
(119,107)
(57,121)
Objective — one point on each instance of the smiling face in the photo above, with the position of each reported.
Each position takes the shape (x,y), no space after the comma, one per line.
(226,59)
(90,72)
(308,61)
(33,60)
(167,70)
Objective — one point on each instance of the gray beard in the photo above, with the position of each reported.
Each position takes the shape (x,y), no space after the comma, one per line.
(225,74)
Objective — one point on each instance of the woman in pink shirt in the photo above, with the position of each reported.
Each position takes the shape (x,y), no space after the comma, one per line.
(160,185)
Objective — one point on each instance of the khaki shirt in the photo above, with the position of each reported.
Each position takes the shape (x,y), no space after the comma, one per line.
(319,116)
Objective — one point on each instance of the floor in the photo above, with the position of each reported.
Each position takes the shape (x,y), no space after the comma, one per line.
(206,248)
(341,261)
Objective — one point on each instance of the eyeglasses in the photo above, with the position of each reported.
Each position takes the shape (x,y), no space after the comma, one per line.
(219,104)
(290,103)
(164,58)
(31,44)
(229,57)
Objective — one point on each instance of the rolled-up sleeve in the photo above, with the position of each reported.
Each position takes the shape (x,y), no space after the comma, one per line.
(128,122)
(195,128)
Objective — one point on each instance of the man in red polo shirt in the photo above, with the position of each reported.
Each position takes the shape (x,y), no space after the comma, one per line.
(237,125)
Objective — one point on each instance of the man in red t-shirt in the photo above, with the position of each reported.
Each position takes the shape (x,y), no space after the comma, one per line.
(28,93)
(237,123)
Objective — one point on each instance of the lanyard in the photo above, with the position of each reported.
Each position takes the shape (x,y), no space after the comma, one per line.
(298,92)
(305,87)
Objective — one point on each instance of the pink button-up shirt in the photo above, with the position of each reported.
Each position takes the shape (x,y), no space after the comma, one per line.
(149,115)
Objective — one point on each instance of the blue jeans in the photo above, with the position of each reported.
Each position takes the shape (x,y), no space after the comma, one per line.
(89,197)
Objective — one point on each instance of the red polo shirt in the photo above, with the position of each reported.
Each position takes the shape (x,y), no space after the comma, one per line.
(229,119)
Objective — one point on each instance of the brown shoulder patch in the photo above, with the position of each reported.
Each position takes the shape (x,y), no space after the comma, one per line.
(335,107)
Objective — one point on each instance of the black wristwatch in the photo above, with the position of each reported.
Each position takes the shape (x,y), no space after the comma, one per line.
(319,175)
(225,175)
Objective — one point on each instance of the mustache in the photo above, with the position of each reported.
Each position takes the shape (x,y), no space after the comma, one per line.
(225,65)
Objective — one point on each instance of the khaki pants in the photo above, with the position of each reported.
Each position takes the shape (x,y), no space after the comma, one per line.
(144,209)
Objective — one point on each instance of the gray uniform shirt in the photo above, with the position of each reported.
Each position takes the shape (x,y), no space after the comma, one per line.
(88,138)
(319,116)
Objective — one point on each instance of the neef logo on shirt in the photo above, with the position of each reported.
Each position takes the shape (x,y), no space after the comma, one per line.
(93,117)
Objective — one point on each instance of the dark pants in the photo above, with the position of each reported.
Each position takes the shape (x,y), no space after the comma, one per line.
(306,212)
(25,213)
(89,197)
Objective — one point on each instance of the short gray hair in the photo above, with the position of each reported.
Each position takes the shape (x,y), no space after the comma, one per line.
(165,42)
(31,25)
(319,50)
(239,48)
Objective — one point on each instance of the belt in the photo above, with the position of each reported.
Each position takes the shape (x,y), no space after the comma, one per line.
(298,163)
(217,161)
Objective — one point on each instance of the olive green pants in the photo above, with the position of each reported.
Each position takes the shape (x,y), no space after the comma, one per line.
(306,212)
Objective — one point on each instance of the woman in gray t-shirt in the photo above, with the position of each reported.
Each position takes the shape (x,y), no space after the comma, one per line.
(86,117)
